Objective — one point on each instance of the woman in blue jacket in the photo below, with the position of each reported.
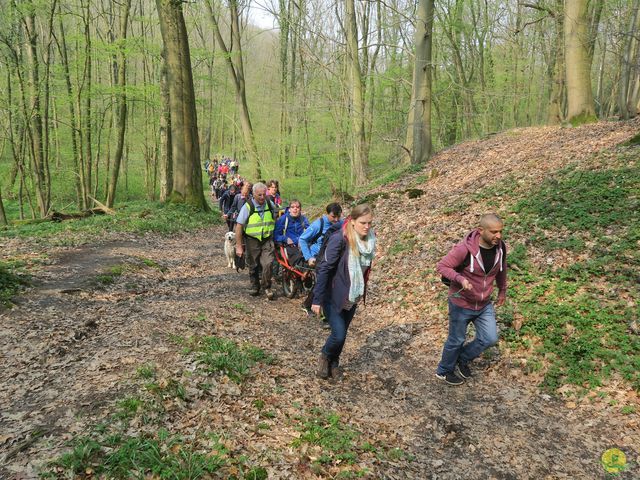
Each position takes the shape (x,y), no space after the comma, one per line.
(341,278)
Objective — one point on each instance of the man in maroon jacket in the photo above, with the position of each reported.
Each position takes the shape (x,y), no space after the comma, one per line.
(471,267)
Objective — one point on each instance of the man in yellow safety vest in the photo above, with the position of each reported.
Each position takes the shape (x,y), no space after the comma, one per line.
(256,223)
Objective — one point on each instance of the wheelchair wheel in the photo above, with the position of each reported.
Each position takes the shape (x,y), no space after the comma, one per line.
(290,285)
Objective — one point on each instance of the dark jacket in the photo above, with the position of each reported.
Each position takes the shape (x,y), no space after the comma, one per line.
(295,227)
(481,276)
(332,273)
(234,209)
(226,200)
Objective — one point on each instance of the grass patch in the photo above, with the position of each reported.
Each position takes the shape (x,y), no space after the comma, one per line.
(157,455)
(135,217)
(220,355)
(337,442)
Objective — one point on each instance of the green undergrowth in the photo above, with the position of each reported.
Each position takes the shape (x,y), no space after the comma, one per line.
(12,280)
(574,276)
(220,355)
(141,436)
(134,217)
(338,447)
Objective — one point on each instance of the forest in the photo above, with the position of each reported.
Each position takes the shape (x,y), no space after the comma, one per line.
(105,101)
(133,348)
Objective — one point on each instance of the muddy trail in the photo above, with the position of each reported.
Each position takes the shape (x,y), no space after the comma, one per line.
(72,346)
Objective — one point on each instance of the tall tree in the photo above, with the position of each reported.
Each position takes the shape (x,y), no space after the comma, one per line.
(187,174)
(233,56)
(359,160)
(121,102)
(580,105)
(421,115)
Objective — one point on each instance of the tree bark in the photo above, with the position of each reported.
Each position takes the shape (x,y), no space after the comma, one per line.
(3,215)
(166,163)
(421,94)
(555,114)
(358,132)
(580,105)
(187,174)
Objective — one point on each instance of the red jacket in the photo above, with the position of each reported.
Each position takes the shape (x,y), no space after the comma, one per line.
(481,276)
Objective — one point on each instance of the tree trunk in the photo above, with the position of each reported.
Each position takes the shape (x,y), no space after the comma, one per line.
(35,114)
(358,133)
(187,174)
(422,84)
(580,105)
(628,66)
(166,163)
(3,215)
(555,114)
(122,104)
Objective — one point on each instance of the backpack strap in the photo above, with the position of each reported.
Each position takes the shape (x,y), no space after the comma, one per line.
(319,234)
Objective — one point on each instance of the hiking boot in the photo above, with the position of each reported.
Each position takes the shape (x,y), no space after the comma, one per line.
(254,291)
(323,367)
(463,370)
(450,378)
(270,294)
(337,373)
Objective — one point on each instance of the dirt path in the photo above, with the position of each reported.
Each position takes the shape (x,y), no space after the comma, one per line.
(70,349)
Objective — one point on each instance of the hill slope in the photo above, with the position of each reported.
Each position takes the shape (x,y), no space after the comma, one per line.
(569,198)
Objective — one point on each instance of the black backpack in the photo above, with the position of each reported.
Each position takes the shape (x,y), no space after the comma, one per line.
(333,228)
(465,263)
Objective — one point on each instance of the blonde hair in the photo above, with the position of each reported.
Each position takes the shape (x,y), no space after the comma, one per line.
(356,212)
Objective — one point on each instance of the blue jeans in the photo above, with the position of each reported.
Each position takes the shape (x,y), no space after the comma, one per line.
(339,322)
(455,350)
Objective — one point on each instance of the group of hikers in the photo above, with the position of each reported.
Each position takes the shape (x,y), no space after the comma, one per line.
(342,252)
(223,172)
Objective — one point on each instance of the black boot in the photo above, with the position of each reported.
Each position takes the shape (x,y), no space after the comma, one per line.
(254,291)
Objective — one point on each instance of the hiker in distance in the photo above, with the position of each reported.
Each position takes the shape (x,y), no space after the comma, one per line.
(471,268)
(341,281)
(256,223)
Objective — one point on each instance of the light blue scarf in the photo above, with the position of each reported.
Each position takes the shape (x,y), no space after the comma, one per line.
(357,263)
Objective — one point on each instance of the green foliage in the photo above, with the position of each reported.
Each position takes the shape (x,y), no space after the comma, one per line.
(12,281)
(578,313)
(146,372)
(324,429)
(225,356)
(159,455)
(136,217)
(405,243)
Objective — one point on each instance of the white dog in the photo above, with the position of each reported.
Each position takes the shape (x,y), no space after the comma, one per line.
(230,249)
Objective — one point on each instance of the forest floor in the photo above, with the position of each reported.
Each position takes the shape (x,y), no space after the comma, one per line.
(76,343)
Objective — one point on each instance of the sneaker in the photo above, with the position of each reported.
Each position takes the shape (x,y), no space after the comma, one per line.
(323,367)
(325,324)
(463,370)
(270,294)
(450,378)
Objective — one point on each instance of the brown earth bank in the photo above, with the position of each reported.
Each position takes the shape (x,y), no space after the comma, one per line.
(72,346)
